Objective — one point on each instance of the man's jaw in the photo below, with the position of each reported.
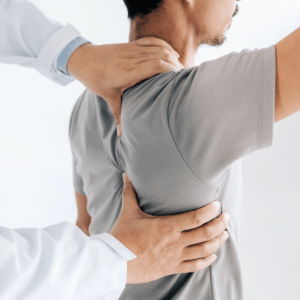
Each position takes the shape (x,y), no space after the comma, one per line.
(220,39)
(237,9)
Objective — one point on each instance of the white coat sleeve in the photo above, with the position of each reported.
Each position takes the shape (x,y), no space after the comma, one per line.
(60,262)
(29,39)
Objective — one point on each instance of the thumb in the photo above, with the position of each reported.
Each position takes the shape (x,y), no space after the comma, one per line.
(115,104)
(129,200)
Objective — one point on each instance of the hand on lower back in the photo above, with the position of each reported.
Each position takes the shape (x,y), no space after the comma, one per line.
(169,244)
(108,70)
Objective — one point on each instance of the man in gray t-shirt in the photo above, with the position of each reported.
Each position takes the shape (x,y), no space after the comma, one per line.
(181,144)
(184,134)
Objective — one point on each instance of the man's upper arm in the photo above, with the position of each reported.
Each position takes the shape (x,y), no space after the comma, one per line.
(84,219)
(288,76)
(224,110)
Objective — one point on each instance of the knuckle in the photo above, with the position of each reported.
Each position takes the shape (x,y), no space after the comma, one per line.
(165,50)
(205,251)
(168,56)
(195,220)
(207,233)
(162,50)
(158,64)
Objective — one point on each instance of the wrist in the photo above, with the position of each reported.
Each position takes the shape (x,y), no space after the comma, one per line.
(79,60)
(63,58)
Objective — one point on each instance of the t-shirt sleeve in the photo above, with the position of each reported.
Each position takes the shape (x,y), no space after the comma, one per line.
(77,179)
(223,110)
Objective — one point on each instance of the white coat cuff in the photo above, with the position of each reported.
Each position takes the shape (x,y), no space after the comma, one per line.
(115,245)
(47,59)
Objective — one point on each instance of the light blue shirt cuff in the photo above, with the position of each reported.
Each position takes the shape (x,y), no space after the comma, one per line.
(64,56)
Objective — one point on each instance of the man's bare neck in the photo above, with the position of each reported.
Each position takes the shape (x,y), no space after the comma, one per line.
(176,33)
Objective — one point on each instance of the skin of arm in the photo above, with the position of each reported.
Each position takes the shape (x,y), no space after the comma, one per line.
(83,219)
(287,99)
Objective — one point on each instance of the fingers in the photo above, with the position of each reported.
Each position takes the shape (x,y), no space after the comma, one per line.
(151,41)
(115,105)
(194,219)
(147,63)
(196,265)
(149,69)
(207,231)
(165,56)
(204,249)
(129,200)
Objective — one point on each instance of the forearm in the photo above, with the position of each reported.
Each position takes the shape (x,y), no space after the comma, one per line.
(24,31)
(28,38)
(287,101)
(83,219)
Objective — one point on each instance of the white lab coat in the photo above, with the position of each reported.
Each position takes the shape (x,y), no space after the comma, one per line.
(61,262)
(58,262)
(29,39)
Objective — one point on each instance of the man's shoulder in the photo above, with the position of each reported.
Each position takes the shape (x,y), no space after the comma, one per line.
(154,92)
(91,113)
(88,100)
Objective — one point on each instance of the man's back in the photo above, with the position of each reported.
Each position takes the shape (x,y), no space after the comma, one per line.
(183,136)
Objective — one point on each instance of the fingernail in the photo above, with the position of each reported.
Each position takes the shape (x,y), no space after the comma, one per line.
(217,204)
(215,257)
(227,216)
(125,177)
(226,235)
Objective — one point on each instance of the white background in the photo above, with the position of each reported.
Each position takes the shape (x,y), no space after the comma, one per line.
(35,160)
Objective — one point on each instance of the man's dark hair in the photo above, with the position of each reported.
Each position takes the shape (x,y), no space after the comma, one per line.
(141,7)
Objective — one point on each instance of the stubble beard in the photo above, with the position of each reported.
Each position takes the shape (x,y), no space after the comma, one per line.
(218,40)
(215,41)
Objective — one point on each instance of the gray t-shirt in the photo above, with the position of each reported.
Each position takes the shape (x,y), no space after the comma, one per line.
(183,136)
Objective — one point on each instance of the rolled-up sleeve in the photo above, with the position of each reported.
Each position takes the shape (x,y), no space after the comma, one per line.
(30,39)
(61,262)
